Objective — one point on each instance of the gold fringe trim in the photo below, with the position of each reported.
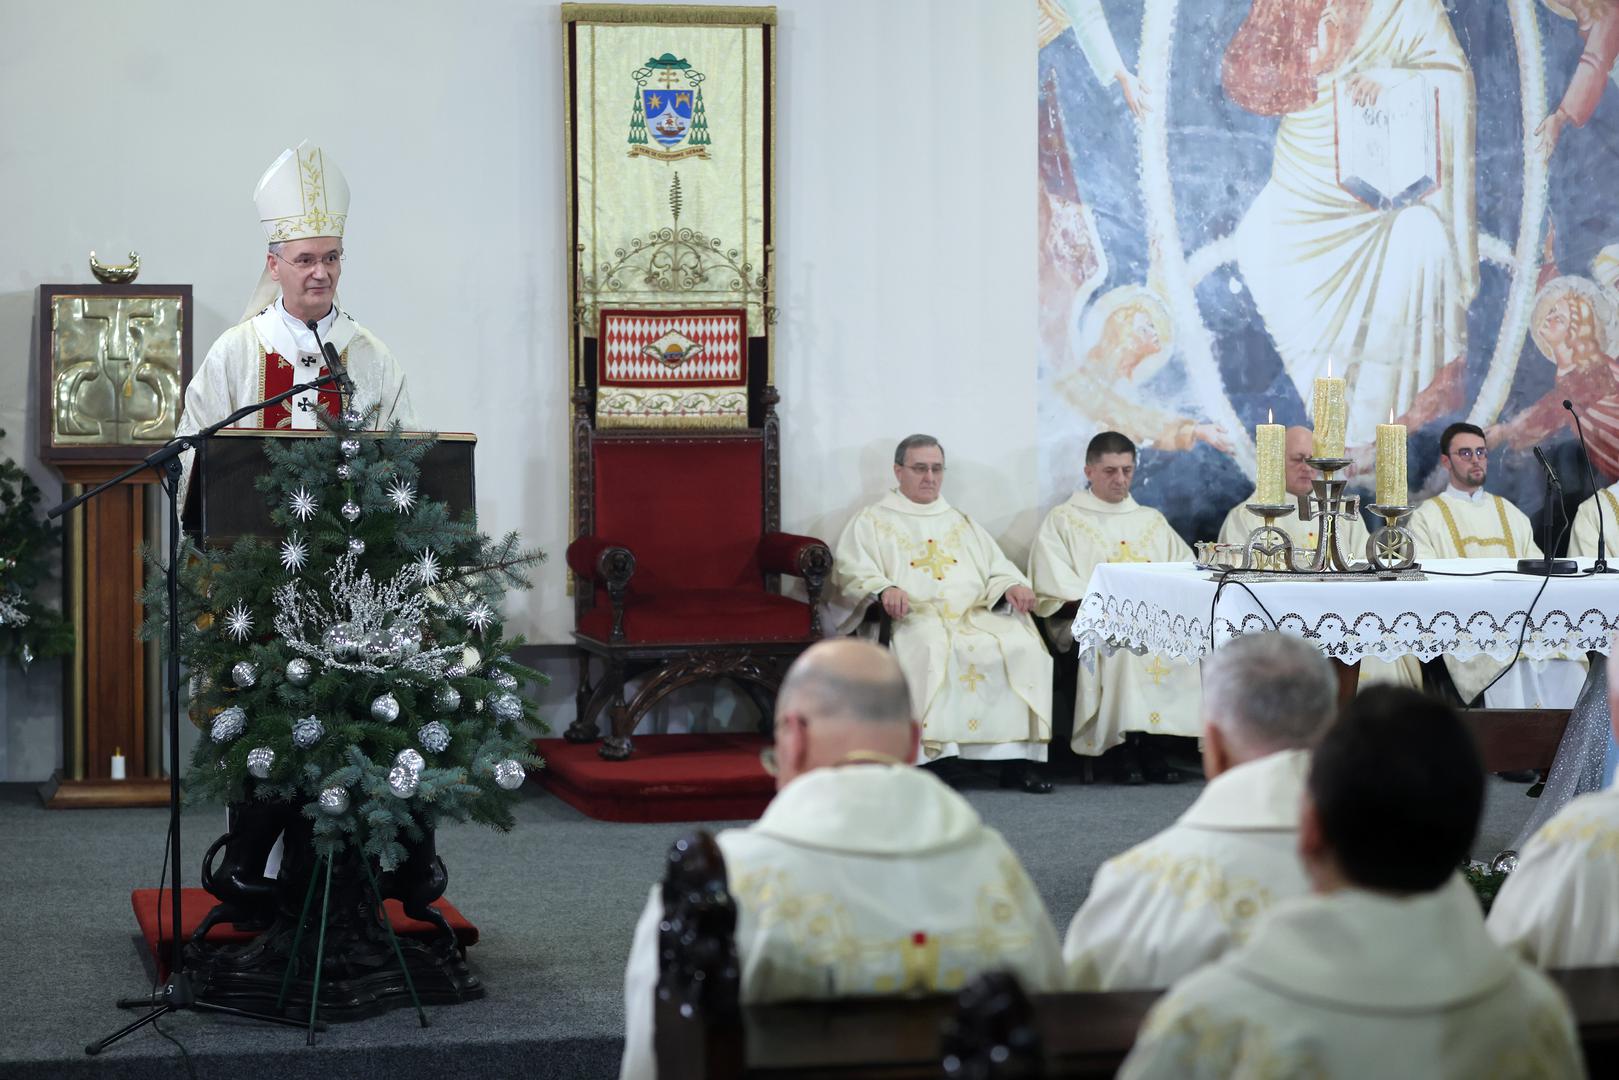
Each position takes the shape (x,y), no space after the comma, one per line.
(676,14)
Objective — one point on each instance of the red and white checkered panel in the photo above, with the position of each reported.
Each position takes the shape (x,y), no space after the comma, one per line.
(719,352)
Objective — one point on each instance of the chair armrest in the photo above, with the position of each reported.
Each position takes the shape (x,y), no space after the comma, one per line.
(597,559)
(878,616)
(799,556)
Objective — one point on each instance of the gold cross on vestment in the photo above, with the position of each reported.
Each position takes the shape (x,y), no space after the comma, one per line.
(1124,554)
(971,678)
(1158,669)
(935,562)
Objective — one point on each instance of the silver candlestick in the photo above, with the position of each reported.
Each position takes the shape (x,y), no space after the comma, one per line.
(1391,547)
(1268,547)
(1328,504)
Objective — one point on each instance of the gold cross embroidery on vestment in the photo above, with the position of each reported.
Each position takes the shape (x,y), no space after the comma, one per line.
(936,561)
(971,678)
(1158,669)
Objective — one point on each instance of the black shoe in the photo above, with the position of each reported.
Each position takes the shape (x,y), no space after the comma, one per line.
(1022,774)
(949,769)
(1125,764)
(1154,766)
(1520,776)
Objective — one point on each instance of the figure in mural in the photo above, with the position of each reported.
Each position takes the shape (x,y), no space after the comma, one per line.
(1598,21)
(1576,327)
(1361,250)
(1125,339)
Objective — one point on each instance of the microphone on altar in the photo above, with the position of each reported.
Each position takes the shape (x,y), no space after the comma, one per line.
(1548,565)
(334,363)
(1601,565)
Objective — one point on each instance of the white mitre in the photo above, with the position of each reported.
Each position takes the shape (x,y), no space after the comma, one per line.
(302,194)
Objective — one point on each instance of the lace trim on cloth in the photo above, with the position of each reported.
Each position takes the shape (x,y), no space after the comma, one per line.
(1110,623)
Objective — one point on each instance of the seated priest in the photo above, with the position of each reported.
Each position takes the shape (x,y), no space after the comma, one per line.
(1466,522)
(303,204)
(1121,701)
(979,674)
(1168,906)
(1560,907)
(1386,969)
(864,876)
(1582,542)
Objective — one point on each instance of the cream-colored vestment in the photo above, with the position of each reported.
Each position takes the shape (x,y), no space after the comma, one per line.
(980,679)
(1123,692)
(1358,984)
(862,880)
(1455,526)
(1560,907)
(1583,544)
(1175,902)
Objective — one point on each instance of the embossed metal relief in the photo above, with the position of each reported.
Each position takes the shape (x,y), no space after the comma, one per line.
(115,367)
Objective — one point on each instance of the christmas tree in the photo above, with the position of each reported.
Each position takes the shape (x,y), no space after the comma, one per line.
(699,122)
(637,122)
(28,549)
(358,667)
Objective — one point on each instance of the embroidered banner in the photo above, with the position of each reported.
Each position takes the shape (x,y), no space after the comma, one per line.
(672,368)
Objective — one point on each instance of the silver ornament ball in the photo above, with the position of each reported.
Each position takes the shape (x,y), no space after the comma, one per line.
(433,736)
(402,782)
(342,641)
(504,679)
(260,760)
(455,671)
(379,648)
(385,708)
(345,471)
(409,640)
(307,732)
(244,674)
(409,758)
(350,447)
(334,800)
(1505,863)
(300,672)
(356,546)
(350,511)
(506,706)
(352,418)
(447,699)
(228,724)
(509,774)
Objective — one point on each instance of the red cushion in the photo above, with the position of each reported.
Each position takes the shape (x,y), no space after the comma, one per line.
(703,615)
(690,507)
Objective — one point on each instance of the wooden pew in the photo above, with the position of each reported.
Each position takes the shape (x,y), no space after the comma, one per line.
(989,1031)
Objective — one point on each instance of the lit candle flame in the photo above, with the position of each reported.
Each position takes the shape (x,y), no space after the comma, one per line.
(1269,417)
(1329,367)
(1391,414)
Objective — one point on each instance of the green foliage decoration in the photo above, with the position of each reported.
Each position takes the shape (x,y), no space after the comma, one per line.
(30,551)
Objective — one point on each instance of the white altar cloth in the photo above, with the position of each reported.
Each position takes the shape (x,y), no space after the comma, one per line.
(1179,610)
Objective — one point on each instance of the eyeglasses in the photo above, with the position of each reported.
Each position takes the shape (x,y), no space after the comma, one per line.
(307,262)
(924,470)
(1468,453)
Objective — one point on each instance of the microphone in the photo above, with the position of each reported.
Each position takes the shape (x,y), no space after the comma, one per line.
(1601,565)
(1551,473)
(334,364)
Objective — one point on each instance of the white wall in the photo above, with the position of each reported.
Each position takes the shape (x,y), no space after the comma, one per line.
(906,229)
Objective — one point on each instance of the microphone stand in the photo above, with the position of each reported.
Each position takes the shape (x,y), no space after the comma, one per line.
(178,993)
(1601,564)
(334,364)
(1548,566)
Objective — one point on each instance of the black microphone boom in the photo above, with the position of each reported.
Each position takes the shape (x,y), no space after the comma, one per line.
(1551,473)
(1601,565)
(334,363)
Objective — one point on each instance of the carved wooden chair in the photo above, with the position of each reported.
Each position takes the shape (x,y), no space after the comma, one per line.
(676,557)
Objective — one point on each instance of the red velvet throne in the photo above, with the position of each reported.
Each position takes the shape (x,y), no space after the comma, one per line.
(677,556)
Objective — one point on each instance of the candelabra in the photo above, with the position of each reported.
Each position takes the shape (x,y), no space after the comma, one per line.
(1391,547)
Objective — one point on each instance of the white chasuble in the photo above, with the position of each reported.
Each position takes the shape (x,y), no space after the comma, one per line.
(1358,984)
(272,352)
(1122,692)
(1583,543)
(1169,905)
(862,880)
(1455,526)
(980,679)
(1240,523)
(1560,907)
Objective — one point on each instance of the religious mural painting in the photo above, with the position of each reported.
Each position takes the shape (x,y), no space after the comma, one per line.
(1235,195)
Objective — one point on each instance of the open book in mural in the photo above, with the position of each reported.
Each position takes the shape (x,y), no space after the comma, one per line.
(1234,194)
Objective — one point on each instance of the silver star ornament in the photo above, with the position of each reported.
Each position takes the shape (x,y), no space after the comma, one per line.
(402,495)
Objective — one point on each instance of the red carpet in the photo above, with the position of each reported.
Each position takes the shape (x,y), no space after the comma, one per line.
(195,904)
(668,778)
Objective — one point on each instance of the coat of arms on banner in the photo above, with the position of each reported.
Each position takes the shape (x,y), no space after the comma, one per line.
(672,369)
(668,111)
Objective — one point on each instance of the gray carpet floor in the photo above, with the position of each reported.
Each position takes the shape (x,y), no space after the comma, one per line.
(555,901)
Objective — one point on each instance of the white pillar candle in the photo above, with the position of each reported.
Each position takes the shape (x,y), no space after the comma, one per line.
(117,763)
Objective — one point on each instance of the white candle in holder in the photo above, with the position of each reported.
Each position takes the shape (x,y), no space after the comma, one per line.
(1391,479)
(1331,415)
(1270,446)
(117,763)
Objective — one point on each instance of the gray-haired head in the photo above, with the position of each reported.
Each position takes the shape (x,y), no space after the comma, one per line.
(914,442)
(1269,692)
(846,679)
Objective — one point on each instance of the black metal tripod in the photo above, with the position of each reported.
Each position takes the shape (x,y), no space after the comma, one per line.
(178,993)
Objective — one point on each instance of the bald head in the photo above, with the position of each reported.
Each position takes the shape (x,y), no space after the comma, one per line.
(846,679)
(843,701)
(1298,446)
